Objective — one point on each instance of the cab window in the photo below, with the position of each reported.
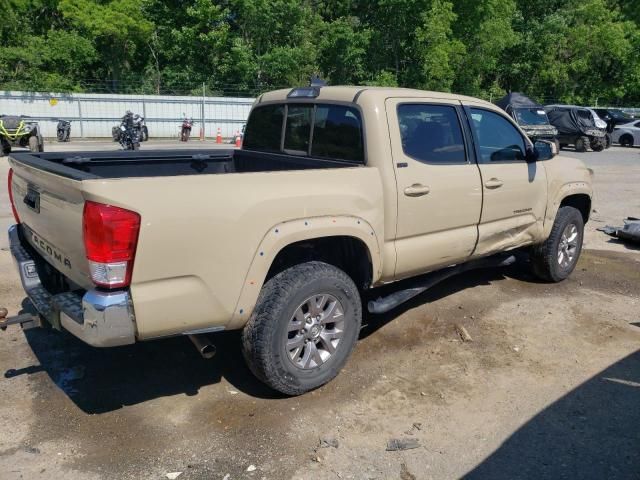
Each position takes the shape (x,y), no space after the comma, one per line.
(497,139)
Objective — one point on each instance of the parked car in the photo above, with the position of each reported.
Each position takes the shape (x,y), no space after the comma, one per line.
(627,135)
(335,191)
(617,116)
(577,126)
(19,131)
(530,116)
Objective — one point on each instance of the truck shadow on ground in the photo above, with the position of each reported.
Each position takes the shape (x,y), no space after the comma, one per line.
(103,380)
(592,433)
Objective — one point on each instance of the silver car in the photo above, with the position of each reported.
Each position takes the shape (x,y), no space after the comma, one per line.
(627,135)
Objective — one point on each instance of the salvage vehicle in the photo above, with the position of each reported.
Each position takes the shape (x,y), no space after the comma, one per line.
(18,131)
(627,135)
(530,116)
(335,191)
(577,126)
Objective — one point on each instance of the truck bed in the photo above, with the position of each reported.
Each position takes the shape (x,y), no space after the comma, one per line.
(167,163)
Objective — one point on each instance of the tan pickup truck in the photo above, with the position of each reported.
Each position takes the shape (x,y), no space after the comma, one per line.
(336,190)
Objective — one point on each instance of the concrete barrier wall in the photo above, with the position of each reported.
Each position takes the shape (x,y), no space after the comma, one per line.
(93,115)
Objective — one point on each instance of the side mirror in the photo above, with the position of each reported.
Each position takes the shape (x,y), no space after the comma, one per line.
(542,150)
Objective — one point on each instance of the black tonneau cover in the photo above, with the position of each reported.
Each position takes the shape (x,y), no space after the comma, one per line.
(166,163)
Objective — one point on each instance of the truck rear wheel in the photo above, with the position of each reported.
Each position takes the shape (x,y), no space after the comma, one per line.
(555,259)
(304,327)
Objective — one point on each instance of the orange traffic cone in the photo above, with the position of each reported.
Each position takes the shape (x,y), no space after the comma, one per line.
(238,139)
(219,136)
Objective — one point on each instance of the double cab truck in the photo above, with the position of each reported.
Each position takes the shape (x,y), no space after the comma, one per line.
(335,191)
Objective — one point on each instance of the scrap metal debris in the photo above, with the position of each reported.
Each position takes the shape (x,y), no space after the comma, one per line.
(462,332)
(327,442)
(398,444)
(630,232)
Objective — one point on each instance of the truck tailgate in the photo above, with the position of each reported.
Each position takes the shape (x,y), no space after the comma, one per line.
(50,209)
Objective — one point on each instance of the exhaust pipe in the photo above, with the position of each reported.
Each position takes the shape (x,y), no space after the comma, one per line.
(203,345)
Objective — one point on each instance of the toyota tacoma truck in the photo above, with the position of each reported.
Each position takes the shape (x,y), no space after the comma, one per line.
(335,191)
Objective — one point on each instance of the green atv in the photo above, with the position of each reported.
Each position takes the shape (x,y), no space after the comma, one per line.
(16,131)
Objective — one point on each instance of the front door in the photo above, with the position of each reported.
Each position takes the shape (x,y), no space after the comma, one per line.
(438,184)
(515,191)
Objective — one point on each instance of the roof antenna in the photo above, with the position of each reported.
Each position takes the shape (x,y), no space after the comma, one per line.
(316,81)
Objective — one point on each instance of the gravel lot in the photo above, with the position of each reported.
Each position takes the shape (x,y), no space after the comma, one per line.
(549,386)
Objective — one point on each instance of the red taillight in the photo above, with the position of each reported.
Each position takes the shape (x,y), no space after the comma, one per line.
(10,189)
(110,240)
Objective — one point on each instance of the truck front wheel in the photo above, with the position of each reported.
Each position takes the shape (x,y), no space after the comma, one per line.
(304,327)
(555,259)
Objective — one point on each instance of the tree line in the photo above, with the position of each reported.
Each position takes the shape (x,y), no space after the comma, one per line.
(582,51)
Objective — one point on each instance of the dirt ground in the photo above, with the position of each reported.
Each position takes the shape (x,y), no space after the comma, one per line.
(549,386)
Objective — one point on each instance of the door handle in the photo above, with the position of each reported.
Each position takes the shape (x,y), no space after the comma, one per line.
(416,190)
(493,183)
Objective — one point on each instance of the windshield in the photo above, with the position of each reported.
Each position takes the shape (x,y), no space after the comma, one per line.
(531,116)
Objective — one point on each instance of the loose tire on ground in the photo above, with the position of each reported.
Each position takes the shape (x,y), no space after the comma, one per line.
(277,340)
(555,259)
(33,144)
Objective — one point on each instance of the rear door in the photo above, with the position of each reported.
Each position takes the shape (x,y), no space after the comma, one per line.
(50,209)
(515,192)
(438,184)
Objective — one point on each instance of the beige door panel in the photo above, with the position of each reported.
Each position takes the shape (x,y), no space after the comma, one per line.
(438,204)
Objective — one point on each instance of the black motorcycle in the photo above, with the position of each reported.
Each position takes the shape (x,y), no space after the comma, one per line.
(129,133)
(64,130)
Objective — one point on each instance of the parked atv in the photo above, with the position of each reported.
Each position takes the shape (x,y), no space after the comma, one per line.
(576,126)
(63,131)
(530,116)
(16,131)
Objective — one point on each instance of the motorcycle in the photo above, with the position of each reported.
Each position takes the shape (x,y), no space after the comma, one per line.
(128,133)
(185,129)
(64,130)
(138,123)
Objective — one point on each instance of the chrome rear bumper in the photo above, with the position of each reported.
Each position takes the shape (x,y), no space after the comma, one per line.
(99,318)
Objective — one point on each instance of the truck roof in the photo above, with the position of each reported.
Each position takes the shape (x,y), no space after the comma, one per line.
(352,93)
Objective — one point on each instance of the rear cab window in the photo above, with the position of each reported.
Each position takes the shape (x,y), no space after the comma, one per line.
(328,131)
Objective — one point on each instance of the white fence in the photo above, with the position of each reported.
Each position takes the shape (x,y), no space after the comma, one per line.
(93,115)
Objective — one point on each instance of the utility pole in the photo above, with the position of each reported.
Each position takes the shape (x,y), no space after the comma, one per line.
(202,112)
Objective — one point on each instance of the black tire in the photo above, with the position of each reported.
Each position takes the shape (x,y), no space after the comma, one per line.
(6,149)
(545,257)
(34,146)
(582,144)
(607,141)
(144,134)
(265,336)
(626,140)
(61,135)
(597,146)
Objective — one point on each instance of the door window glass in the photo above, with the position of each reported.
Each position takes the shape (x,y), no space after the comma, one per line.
(431,133)
(497,138)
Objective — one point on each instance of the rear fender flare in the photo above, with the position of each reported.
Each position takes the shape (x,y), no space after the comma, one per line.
(287,233)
